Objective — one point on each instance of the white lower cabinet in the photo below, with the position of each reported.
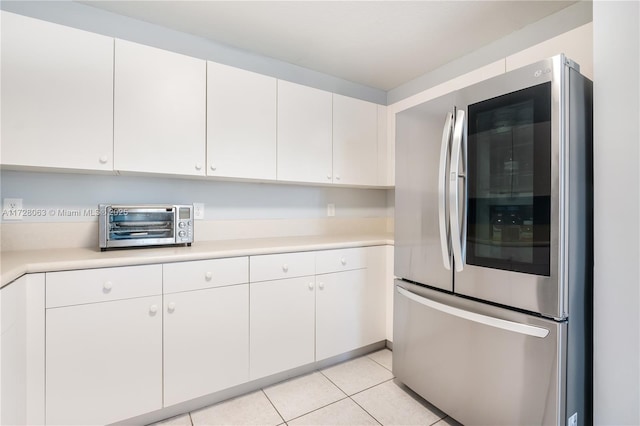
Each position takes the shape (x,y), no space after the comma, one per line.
(282,323)
(341,315)
(103,361)
(206,341)
(118,347)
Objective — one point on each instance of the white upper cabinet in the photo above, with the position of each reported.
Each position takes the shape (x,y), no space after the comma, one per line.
(355,141)
(57,96)
(241,123)
(159,111)
(304,134)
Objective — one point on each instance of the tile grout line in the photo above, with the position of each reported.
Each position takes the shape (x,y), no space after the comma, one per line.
(273,405)
(371,387)
(354,401)
(319,408)
(190,418)
(365,410)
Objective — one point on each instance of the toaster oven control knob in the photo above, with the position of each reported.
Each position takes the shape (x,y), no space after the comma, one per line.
(182,234)
(285,268)
(107,286)
(208,276)
(181,224)
(171,307)
(153,309)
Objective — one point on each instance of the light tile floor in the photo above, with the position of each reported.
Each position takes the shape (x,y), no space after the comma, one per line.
(361,391)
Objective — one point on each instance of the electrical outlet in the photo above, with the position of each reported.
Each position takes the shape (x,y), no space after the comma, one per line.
(573,420)
(198,211)
(12,209)
(331,210)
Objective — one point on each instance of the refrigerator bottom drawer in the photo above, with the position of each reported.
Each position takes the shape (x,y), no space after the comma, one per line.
(480,364)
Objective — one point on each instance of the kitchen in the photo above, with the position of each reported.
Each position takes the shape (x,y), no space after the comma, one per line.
(234,209)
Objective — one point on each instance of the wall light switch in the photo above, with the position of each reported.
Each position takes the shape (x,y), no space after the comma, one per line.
(198,211)
(12,209)
(331,210)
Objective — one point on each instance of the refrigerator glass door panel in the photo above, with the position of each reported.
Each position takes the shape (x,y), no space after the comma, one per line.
(513,189)
(509,181)
(422,252)
(477,371)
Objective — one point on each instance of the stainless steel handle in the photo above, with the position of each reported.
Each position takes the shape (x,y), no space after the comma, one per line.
(515,327)
(443,219)
(458,240)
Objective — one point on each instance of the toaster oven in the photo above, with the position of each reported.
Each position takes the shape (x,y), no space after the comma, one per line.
(145,225)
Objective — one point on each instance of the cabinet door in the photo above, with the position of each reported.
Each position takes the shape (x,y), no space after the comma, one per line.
(206,341)
(342,315)
(57,96)
(281,325)
(103,361)
(159,111)
(304,134)
(241,123)
(355,141)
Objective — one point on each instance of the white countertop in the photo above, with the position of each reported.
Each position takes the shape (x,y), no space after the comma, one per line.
(14,264)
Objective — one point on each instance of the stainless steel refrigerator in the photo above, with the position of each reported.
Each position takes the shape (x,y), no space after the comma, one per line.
(493,248)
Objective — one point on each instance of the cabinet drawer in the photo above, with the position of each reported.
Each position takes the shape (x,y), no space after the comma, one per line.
(279,266)
(99,285)
(328,261)
(184,276)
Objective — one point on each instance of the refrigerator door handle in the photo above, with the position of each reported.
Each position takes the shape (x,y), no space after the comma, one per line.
(458,240)
(515,327)
(443,217)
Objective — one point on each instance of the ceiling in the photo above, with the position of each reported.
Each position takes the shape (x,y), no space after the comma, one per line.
(380,44)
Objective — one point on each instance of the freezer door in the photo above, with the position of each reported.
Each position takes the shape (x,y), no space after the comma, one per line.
(480,364)
(423,139)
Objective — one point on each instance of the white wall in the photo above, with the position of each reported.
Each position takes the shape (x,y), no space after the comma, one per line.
(565,20)
(617,213)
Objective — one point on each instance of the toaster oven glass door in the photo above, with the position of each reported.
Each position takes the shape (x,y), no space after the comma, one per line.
(142,227)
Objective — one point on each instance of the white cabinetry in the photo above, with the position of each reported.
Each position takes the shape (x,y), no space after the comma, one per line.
(241,123)
(304,134)
(349,303)
(22,351)
(206,330)
(341,315)
(159,111)
(57,96)
(104,359)
(355,141)
(282,322)
(309,318)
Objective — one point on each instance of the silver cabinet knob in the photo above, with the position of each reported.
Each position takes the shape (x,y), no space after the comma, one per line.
(310,286)
(285,268)
(171,307)
(153,309)
(343,261)
(337,177)
(213,168)
(107,286)
(329,177)
(321,286)
(104,159)
(208,276)
(198,166)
